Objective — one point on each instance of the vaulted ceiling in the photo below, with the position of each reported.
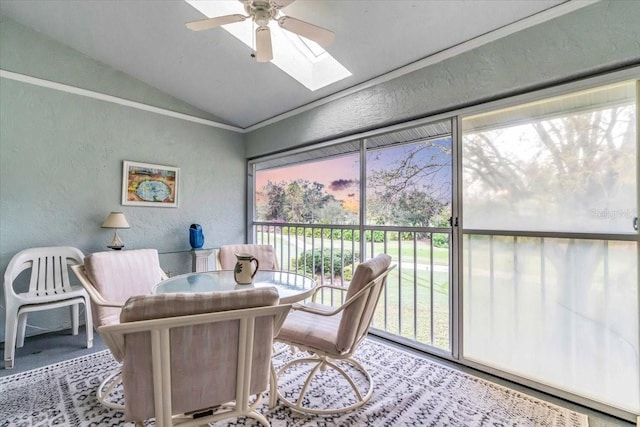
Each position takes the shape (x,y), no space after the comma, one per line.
(215,72)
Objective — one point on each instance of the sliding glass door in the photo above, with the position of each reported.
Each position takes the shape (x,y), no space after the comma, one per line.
(550,243)
(327,208)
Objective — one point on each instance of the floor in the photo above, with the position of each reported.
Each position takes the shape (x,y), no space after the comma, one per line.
(53,347)
(596,419)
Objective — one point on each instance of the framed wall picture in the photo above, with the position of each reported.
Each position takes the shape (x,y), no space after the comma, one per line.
(146,184)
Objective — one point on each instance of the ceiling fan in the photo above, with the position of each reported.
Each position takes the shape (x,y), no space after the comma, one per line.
(261,12)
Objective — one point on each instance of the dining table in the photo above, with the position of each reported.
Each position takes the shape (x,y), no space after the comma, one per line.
(292,287)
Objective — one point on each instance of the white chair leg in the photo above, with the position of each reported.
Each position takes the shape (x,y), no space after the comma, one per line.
(22,329)
(10,329)
(75,318)
(260,418)
(106,387)
(320,362)
(88,322)
(273,386)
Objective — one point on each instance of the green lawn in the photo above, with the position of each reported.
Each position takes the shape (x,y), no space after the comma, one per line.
(423,252)
(405,307)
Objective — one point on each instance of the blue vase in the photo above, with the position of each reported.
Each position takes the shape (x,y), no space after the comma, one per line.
(196,238)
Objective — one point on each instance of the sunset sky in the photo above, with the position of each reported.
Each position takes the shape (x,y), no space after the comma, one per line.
(340,175)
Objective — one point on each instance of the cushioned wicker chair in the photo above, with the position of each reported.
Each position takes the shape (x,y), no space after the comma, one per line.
(265,255)
(110,278)
(196,358)
(332,335)
(49,287)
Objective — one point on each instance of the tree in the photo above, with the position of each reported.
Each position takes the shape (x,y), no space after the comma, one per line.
(294,202)
(553,170)
(298,201)
(331,212)
(275,201)
(410,191)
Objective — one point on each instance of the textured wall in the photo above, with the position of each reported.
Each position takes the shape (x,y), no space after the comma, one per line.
(603,36)
(61,164)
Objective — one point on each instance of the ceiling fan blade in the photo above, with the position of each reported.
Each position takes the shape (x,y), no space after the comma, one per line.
(205,24)
(264,52)
(320,35)
(282,3)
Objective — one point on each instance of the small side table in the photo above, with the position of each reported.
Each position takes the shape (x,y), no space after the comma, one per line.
(200,259)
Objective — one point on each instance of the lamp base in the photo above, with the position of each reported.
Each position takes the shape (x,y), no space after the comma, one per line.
(116,243)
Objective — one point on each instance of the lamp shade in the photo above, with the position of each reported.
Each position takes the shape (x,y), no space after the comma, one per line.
(116,220)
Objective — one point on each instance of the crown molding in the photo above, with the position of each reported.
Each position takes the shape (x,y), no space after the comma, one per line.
(113,99)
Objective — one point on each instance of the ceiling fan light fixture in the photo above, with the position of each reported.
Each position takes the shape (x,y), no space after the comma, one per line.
(261,16)
(264,51)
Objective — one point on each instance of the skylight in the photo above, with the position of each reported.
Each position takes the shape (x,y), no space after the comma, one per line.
(302,59)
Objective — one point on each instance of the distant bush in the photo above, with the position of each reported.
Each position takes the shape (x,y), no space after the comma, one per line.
(347,271)
(440,240)
(378,236)
(322,262)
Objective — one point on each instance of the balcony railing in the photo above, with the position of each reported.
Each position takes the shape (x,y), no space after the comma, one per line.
(415,305)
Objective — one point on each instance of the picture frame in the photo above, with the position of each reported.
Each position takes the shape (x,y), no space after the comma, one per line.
(148,184)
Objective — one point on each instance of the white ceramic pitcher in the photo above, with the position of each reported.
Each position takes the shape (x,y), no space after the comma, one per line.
(243,273)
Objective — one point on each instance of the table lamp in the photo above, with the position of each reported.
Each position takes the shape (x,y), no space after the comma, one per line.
(116,220)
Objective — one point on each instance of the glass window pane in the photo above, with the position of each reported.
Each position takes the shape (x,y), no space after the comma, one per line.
(316,192)
(562,312)
(563,164)
(410,184)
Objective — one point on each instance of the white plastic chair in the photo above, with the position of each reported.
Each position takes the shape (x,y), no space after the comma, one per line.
(49,288)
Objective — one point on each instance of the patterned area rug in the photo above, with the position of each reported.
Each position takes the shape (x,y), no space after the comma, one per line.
(409,391)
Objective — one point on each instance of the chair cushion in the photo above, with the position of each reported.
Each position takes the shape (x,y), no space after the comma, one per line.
(336,334)
(117,275)
(352,315)
(204,358)
(302,328)
(145,307)
(263,253)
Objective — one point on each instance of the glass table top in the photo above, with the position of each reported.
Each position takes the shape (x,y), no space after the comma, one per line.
(291,287)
